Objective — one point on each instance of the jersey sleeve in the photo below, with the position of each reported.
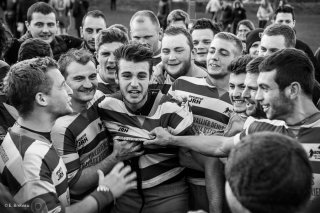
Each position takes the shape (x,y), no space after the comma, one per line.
(64,142)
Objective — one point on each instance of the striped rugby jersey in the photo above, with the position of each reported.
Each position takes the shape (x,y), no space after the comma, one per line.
(157,165)
(308,135)
(211,111)
(82,141)
(32,170)
(104,89)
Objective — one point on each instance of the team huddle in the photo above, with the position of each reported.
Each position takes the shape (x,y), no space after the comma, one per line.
(172,120)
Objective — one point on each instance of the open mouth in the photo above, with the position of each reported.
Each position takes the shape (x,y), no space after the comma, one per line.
(265,107)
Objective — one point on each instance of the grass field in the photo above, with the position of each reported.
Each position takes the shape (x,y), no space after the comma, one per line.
(307,26)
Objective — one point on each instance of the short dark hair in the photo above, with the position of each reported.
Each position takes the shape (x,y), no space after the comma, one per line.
(80,56)
(283,30)
(247,23)
(204,23)
(120,27)
(178,15)
(25,79)
(253,66)
(135,52)
(173,31)
(33,48)
(111,35)
(238,65)
(291,65)
(284,9)
(94,14)
(231,38)
(145,13)
(269,172)
(40,7)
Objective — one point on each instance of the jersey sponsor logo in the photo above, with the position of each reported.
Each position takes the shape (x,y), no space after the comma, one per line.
(60,173)
(82,140)
(313,153)
(195,100)
(123,129)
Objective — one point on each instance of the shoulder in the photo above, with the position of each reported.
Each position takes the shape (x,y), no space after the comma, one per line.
(72,41)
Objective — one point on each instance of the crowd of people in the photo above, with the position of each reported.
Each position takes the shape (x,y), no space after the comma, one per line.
(212,118)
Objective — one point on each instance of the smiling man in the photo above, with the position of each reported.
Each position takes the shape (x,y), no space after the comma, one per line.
(42,23)
(81,139)
(131,115)
(107,42)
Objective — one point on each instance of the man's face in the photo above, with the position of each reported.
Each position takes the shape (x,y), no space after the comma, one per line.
(176,55)
(90,29)
(43,26)
(236,87)
(83,81)
(242,32)
(59,102)
(274,102)
(133,79)
(221,53)
(201,42)
(107,61)
(254,49)
(253,107)
(271,44)
(146,33)
(286,19)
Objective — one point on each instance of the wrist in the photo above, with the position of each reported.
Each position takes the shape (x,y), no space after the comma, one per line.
(103,196)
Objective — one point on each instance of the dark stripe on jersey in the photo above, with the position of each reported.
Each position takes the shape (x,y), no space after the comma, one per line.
(22,146)
(167,150)
(49,163)
(9,180)
(315,165)
(94,143)
(159,168)
(122,118)
(309,135)
(203,90)
(49,198)
(258,126)
(76,177)
(194,173)
(105,88)
(73,165)
(61,188)
(150,124)
(226,98)
(164,88)
(211,114)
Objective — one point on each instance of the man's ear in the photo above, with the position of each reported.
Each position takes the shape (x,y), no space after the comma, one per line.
(160,34)
(193,52)
(81,33)
(294,23)
(116,78)
(293,90)
(41,99)
(27,25)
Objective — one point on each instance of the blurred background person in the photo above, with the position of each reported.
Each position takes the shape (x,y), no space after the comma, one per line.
(239,13)
(163,11)
(62,8)
(253,42)
(80,8)
(178,18)
(243,28)
(264,13)
(212,7)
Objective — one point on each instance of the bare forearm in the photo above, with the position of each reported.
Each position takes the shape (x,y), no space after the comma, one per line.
(89,178)
(215,146)
(87,205)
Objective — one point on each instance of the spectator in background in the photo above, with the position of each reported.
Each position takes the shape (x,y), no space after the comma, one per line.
(22,9)
(264,13)
(226,16)
(80,8)
(212,7)
(288,188)
(33,48)
(178,18)
(239,13)
(113,5)
(243,28)
(163,11)
(253,41)
(120,27)
(10,16)
(62,8)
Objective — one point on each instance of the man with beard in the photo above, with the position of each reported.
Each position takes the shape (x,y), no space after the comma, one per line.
(81,139)
(145,29)
(211,108)
(131,115)
(286,82)
(177,58)
(107,42)
(42,23)
(202,33)
(30,167)
(93,22)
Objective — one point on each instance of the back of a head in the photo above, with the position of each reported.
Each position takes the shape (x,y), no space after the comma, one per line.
(292,65)
(284,9)
(282,30)
(112,34)
(134,52)
(253,66)
(238,65)
(233,39)
(39,7)
(270,173)
(120,27)
(80,56)
(205,23)
(178,15)
(33,48)
(141,14)
(95,14)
